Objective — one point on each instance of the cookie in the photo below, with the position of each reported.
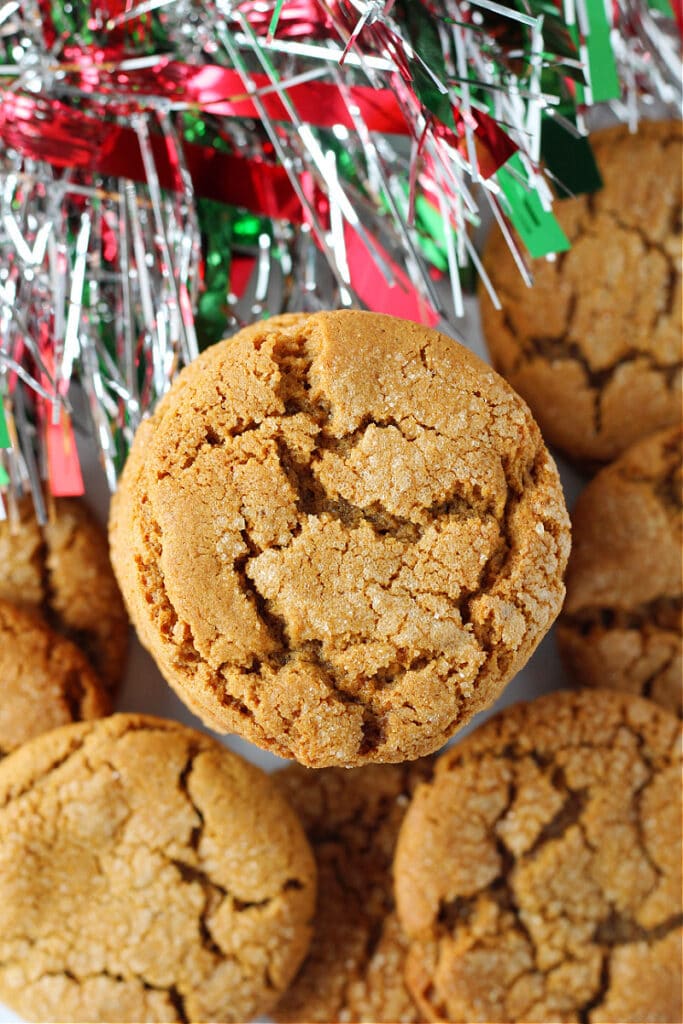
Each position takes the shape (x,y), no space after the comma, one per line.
(340,536)
(354,970)
(147,873)
(539,874)
(45,681)
(63,569)
(595,346)
(621,622)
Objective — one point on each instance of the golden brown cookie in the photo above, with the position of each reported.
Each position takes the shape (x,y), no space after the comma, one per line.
(340,535)
(354,970)
(147,873)
(539,873)
(63,569)
(595,346)
(45,681)
(621,623)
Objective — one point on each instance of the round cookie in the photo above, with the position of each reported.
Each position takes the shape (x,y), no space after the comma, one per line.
(539,874)
(621,622)
(146,874)
(340,536)
(354,970)
(595,346)
(63,569)
(45,681)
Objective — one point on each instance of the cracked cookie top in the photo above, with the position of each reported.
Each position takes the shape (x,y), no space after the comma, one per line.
(595,346)
(340,535)
(354,969)
(45,681)
(621,622)
(63,570)
(539,873)
(146,874)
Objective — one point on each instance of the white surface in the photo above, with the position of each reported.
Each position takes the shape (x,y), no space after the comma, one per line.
(145,690)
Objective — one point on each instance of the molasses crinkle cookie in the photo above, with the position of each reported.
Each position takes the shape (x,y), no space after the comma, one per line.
(354,970)
(538,874)
(146,874)
(45,681)
(595,346)
(621,622)
(340,535)
(63,570)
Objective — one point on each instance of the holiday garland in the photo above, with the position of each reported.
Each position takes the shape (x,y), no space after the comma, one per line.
(172,167)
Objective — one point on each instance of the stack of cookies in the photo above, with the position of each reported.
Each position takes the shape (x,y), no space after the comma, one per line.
(531,873)
(595,349)
(340,536)
(63,625)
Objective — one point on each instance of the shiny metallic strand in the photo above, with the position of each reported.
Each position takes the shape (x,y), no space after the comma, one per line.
(99,278)
(96,283)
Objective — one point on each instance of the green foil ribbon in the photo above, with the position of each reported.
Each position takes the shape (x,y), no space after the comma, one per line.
(4,443)
(223,229)
(569,158)
(602,66)
(4,432)
(538,229)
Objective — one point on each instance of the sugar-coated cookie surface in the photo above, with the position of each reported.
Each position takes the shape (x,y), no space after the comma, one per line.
(354,970)
(595,346)
(340,535)
(146,874)
(45,681)
(63,570)
(539,873)
(622,618)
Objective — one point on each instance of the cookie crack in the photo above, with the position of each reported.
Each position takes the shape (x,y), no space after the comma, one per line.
(638,819)
(498,566)
(600,994)
(393,674)
(458,911)
(666,486)
(74,694)
(662,613)
(76,745)
(177,1001)
(183,786)
(620,930)
(560,346)
(175,997)
(566,817)
(313,500)
(648,684)
(275,624)
(652,245)
(190,873)
(373,729)
(345,444)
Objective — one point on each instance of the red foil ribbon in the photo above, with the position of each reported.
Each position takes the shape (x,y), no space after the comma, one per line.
(63,465)
(370,285)
(64,468)
(221,91)
(50,130)
(63,137)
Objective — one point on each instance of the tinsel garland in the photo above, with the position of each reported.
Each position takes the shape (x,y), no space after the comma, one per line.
(171,167)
